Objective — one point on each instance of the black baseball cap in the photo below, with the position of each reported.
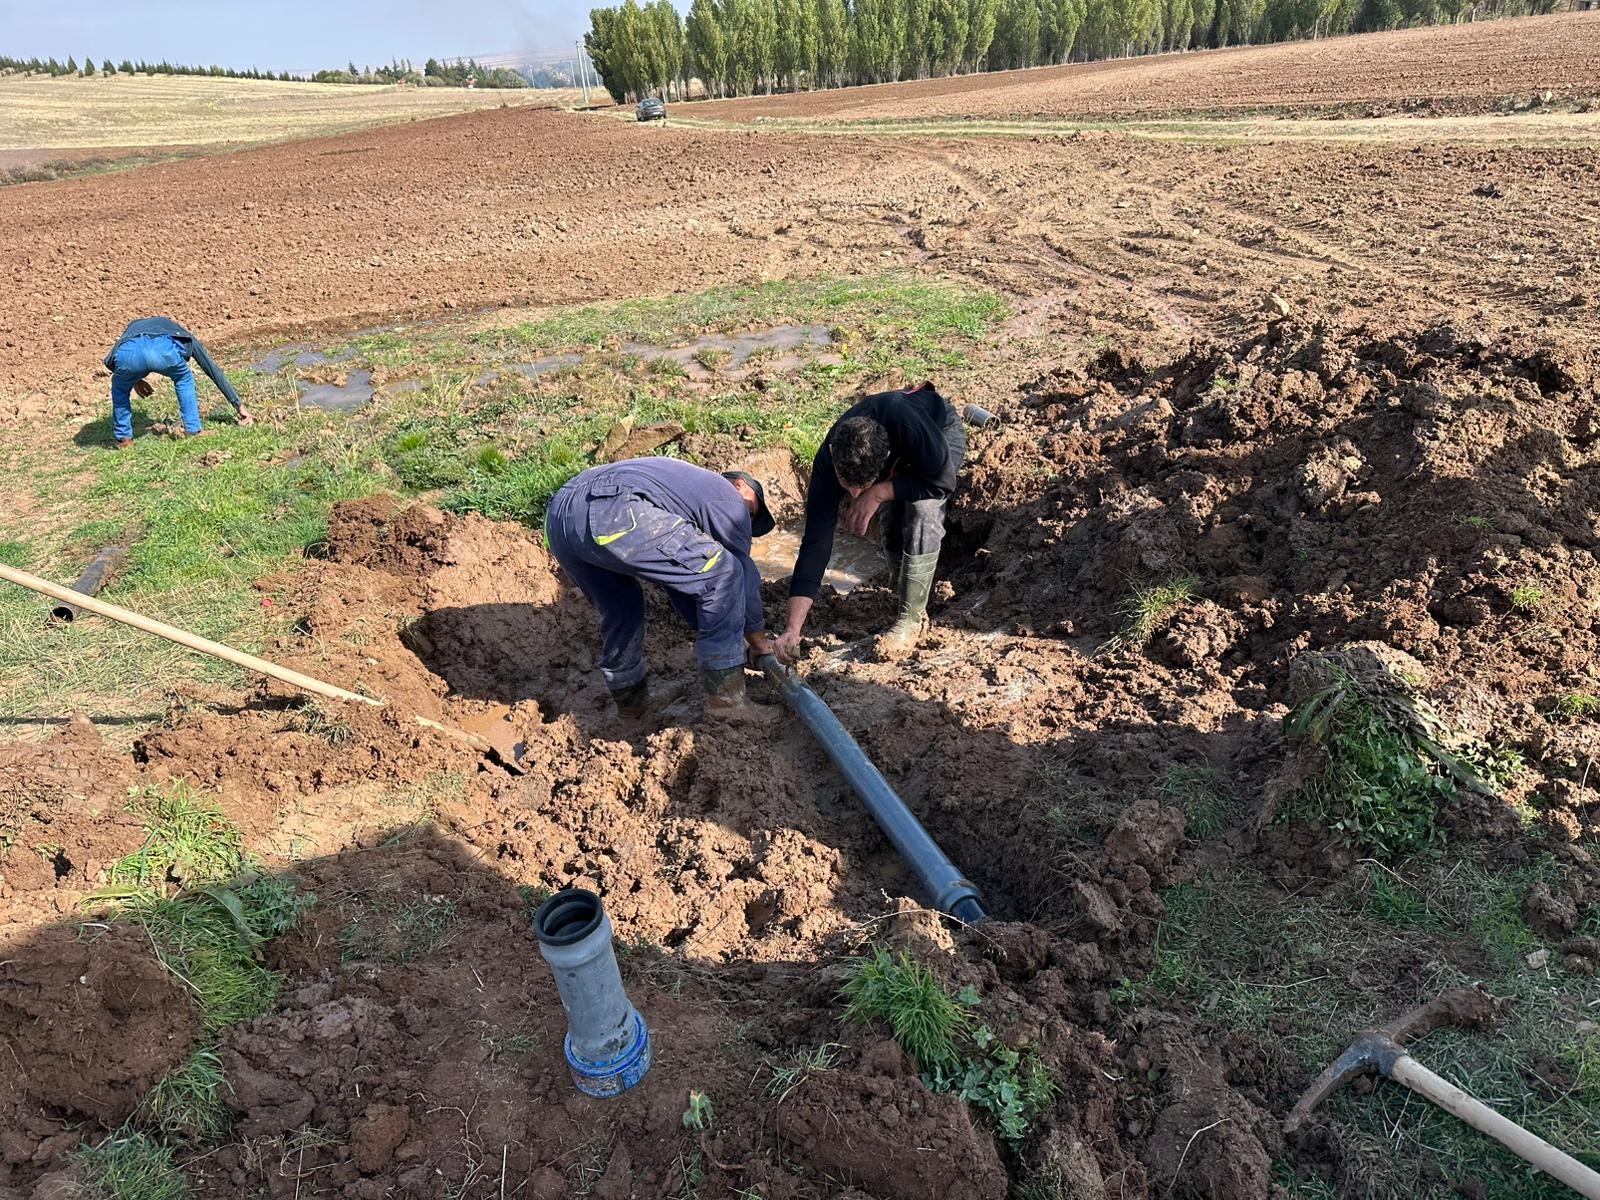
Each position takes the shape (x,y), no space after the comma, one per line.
(762,522)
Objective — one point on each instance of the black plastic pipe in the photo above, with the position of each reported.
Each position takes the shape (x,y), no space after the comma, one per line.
(946,887)
(90,582)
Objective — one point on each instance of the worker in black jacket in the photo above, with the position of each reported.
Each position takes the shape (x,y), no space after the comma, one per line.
(894,451)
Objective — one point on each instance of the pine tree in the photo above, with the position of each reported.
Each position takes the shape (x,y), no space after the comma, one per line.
(88,67)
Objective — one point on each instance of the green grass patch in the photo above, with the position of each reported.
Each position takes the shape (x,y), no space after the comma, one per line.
(203,520)
(388,928)
(1575,706)
(187,837)
(131,1166)
(1209,806)
(1147,608)
(916,308)
(209,934)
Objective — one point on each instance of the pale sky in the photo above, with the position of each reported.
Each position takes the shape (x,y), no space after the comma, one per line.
(287,35)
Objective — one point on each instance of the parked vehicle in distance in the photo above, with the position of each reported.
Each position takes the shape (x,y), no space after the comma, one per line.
(652,109)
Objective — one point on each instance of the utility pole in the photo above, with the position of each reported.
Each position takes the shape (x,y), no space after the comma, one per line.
(583,77)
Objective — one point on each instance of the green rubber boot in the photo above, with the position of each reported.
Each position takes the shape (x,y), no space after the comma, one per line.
(726,699)
(915,584)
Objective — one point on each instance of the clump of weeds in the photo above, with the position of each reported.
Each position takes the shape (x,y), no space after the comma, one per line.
(955,1053)
(1575,706)
(1389,762)
(787,1078)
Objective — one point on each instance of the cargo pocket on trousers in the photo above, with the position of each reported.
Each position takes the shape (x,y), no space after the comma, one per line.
(690,549)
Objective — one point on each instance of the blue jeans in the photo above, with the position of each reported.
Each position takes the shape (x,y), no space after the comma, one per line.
(608,543)
(144,355)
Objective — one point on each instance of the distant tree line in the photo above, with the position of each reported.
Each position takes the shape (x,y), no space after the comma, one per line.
(741,47)
(433,74)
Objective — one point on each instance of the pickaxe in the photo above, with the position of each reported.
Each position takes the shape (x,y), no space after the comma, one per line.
(1383,1050)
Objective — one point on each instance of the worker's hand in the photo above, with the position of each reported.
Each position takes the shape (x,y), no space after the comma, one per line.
(757,645)
(865,506)
(244,418)
(787,646)
(142,386)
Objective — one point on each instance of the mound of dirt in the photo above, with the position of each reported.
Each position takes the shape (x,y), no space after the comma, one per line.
(92,1020)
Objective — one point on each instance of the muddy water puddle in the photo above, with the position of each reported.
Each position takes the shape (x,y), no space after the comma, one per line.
(353,393)
(855,561)
(728,355)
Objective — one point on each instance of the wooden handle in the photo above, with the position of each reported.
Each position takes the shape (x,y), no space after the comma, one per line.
(202,645)
(1513,1137)
(172,633)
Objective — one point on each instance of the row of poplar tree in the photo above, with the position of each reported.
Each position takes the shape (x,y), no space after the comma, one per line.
(740,47)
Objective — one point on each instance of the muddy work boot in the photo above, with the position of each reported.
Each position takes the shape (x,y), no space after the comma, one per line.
(726,699)
(914,584)
(632,701)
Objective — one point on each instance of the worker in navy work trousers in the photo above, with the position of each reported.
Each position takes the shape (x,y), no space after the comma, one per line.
(665,521)
(160,346)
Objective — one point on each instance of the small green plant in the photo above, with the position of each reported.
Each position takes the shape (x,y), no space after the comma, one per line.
(131,1166)
(1148,606)
(906,995)
(185,1107)
(1480,523)
(1012,1088)
(1529,599)
(1575,706)
(491,460)
(699,1114)
(954,1055)
(786,1079)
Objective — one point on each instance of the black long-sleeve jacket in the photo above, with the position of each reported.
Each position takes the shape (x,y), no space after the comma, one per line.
(919,463)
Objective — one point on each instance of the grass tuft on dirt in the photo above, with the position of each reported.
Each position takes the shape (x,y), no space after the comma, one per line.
(131,1167)
(186,1107)
(1147,608)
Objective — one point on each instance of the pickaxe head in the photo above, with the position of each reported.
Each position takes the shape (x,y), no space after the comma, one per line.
(1379,1049)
